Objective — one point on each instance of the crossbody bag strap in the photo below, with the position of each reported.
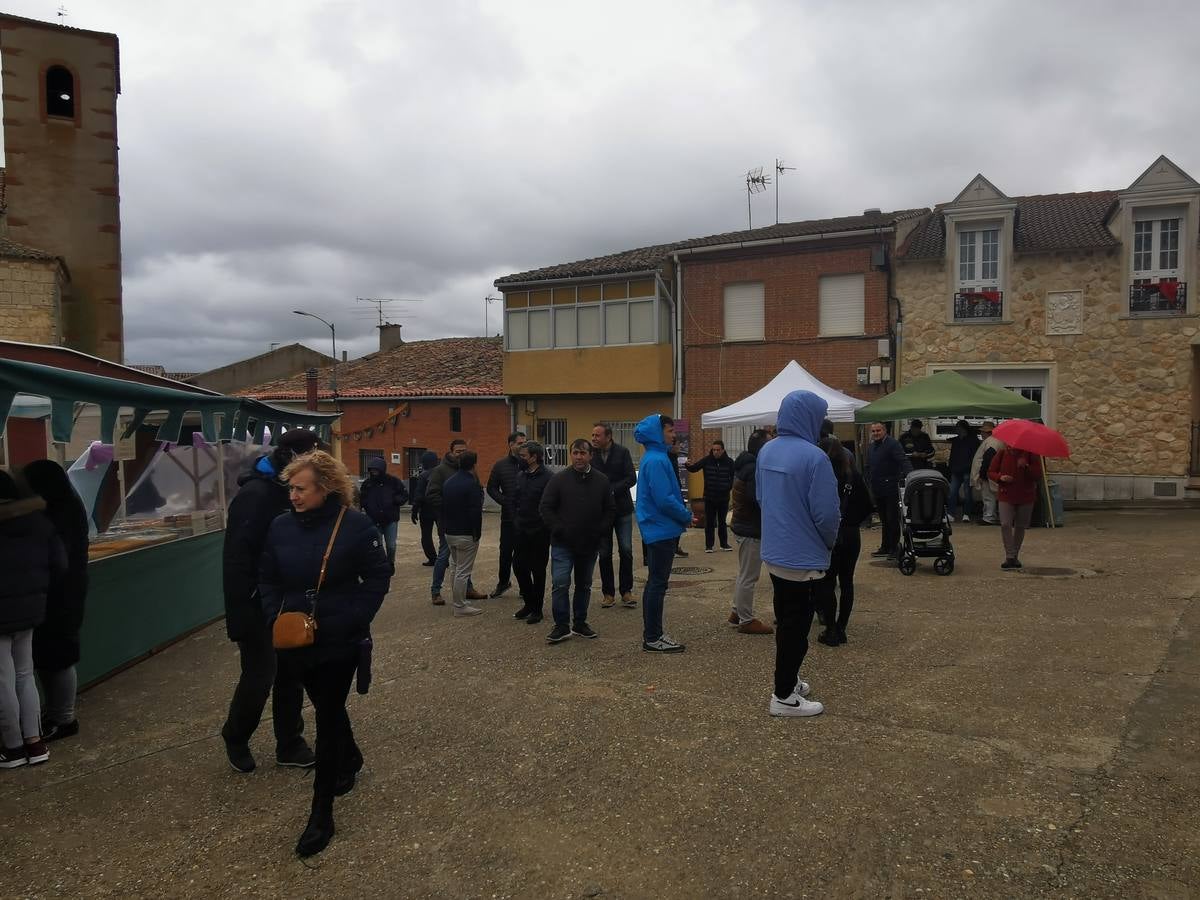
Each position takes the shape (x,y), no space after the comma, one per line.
(328,550)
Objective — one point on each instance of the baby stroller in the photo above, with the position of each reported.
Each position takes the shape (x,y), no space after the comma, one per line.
(925,525)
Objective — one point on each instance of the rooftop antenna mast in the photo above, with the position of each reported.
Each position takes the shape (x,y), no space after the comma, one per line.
(780,168)
(379,301)
(756,183)
(62,12)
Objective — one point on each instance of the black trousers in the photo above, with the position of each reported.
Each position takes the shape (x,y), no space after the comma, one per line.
(260,678)
(795,602)
(531,554)
(327,684)
(508,541)
(837,609)
(889,519)
(715,513)
(428,523)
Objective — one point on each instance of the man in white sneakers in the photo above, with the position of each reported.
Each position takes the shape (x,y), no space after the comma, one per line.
(801,511)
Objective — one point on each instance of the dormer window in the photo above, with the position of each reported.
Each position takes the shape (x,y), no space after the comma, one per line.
(60,93)
(1155,285)
(979,241)
(977,292)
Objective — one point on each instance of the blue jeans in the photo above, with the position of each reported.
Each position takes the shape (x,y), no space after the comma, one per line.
(565,562)
(442,564)
(388,531)
(959,480)
(623,526)
(659,557)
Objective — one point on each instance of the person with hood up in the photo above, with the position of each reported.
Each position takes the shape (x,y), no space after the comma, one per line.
(746,525)
(502,488)
(261,497)
(979,472)
(798,493)
(662,518)
(422,512)
(718,471)
(442,473)
(56,640)
(32,559)
(380,496)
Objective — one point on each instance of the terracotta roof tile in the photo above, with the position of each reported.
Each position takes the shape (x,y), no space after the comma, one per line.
(446,367)
(10,249)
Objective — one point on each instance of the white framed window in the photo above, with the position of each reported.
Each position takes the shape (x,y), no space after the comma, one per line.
(843,305)
(539,329)
(1158,243)
(591,326)
(564,326)
(641,321)
(616,323)
(979,258)
(744,320)
(516,329)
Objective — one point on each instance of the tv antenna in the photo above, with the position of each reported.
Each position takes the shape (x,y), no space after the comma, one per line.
(380,301)
(756,183)
(62,12)
(780,168)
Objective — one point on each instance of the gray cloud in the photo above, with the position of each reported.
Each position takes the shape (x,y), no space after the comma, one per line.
(281,156)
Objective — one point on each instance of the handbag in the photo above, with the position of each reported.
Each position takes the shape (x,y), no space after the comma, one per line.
(299,629)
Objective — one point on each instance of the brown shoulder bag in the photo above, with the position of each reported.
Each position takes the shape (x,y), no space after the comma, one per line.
(299,629)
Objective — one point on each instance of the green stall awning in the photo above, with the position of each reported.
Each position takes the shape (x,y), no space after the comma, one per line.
(948,394)
(66,387)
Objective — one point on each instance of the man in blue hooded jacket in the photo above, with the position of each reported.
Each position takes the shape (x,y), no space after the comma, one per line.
(801,511)
(662,518)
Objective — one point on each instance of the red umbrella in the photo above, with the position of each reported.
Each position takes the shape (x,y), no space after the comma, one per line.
(1021,434)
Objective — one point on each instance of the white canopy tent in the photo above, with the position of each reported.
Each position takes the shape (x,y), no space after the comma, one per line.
(762,407)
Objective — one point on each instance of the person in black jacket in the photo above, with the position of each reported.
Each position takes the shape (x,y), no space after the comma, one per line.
(855,508)
(887,465)
(577,506)
(917,445)
(31,559)
(746,524)
(56,640)
(532,551)
(502,487)
(380,496)
(260,498)
(718,482)
(616,463)
(462,521)
(962,451)
(322,526)
(422,512)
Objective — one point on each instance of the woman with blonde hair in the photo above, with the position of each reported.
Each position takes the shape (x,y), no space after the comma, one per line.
(328,561)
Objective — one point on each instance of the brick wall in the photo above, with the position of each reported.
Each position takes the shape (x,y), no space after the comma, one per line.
(717,373)
(29,301)
(485,428)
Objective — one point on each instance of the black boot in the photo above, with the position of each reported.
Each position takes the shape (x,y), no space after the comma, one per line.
(828,637)
(522,612)
(319,831)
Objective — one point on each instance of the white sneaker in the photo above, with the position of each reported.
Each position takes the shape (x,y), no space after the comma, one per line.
(966,518)
(467,610)
(803,688)
(794,705)
(709,550)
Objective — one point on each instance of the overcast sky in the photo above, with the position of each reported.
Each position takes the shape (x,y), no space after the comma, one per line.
(297,154)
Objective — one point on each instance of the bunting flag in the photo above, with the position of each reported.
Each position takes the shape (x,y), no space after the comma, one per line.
(381,426)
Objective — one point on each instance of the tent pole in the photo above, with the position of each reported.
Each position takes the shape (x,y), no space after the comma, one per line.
(1049,500)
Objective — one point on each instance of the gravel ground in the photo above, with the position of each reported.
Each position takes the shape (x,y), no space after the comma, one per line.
(990,734)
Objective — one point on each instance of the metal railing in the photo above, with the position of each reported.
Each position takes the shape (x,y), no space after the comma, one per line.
(1164,297)
(976,305)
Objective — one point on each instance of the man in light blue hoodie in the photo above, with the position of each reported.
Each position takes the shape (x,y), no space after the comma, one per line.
(662,518)
(801,511)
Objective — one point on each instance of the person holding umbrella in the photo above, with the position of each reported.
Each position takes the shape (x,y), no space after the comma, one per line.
(1017,472)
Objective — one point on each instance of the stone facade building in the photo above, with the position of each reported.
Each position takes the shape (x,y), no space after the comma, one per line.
(1084,302)
(32,285)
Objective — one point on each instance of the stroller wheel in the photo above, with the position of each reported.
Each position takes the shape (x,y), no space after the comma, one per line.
(943,565)
(908,565)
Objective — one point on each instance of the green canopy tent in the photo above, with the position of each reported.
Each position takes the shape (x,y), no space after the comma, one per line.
(948,394)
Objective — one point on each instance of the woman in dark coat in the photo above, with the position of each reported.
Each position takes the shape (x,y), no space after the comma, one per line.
(56,640)
(356,580)
(856,507)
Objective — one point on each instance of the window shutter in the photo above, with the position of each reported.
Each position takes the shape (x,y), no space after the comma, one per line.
(842,305)
(744,312)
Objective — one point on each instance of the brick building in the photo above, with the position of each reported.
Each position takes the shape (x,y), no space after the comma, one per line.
(411,397)
(60,173)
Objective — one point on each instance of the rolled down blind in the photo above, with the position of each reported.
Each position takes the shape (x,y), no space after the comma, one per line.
(744,312)
(842,305)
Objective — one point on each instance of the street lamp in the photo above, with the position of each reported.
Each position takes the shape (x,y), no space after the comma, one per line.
(333,335)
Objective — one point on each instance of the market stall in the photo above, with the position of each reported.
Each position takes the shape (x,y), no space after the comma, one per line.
(947,394)
(762,407)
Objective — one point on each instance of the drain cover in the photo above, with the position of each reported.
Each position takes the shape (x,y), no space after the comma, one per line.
(690,570)
(1055,572)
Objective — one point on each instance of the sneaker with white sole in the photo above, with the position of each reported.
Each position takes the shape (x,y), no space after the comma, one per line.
(794,705)
(803,688)
(966,518)
(663,645)
(36,752)
(11,758)
(467,610)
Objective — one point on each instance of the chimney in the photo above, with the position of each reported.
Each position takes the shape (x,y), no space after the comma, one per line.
(310,389)
(389,337)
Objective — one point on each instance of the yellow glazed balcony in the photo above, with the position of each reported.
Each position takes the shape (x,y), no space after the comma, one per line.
(629,369)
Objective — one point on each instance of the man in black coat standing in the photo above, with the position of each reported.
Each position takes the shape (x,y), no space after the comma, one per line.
(616,463)
(380,496)
(887,465)
(532,550)
(261,497)
(502,487)
(718,482)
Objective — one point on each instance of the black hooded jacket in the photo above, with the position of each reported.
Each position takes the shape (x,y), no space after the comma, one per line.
(31,558)
(502,484)
(527,507)
(260,498)
(746,516)
(381,495)
(421,509)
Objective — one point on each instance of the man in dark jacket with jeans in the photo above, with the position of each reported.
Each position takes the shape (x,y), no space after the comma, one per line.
(380,496)
(887,465)
(577,506)
(502,487)
(718,482)
(616,463)
(261,497)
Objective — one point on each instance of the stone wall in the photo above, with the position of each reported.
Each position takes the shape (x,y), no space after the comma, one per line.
(30,301)
(1122,387)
